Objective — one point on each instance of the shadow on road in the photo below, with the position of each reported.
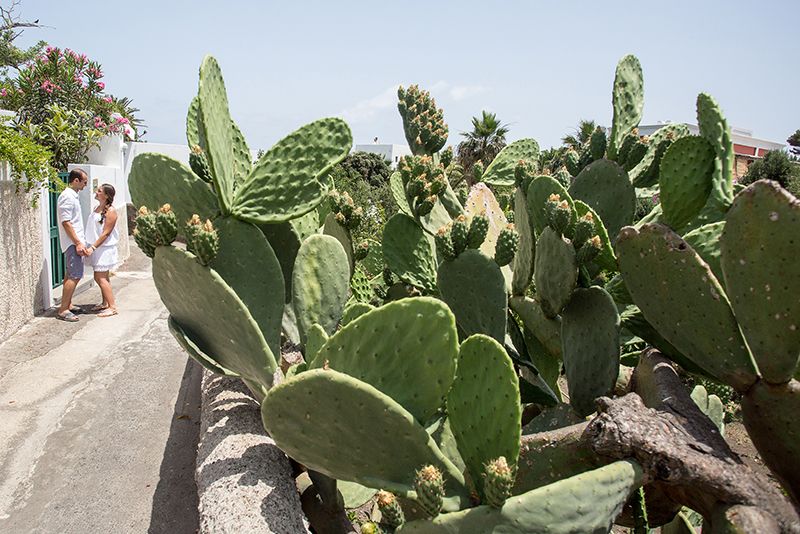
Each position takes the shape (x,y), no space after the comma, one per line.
(175,500)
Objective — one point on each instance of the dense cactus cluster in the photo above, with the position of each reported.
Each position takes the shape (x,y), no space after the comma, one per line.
(423,122)
(444,337)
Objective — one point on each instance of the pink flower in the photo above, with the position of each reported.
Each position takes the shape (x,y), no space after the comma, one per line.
(48,50)
(3,92)
(108,99)
(101,85)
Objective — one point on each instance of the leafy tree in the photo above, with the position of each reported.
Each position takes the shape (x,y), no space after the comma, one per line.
(794,142)
(375,198)
(373,168)
(483,143)
(581,135)
(11,27)
(775,165)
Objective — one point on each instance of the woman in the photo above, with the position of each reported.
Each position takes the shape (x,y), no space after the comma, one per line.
(102,237)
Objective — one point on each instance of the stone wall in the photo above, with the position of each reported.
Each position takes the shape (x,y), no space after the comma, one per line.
(21,261)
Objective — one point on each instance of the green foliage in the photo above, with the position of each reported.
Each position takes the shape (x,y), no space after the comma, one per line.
(776,165)
(373,168)
(482,144)
(373,197)
(30,163)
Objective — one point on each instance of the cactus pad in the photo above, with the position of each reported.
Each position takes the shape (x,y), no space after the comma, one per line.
(500,171)
(409,252)
(156,180)
(546,330)
(523,261)
(212,315)
(354,310)
(320,284)
(588,502)
(194,351)
(315,339)
(714,128)
(407,349)
(606,188)
(216,121)
(645,173)
(760,252)
(243,250)
(242,162)
(342,234)
(358,433)
(483,406)
(555,273)
(590,334)
(705,240)
(474,288)
(685,179)
(285,242)
(291,178)
(770,417)
(686,304)
(627,100)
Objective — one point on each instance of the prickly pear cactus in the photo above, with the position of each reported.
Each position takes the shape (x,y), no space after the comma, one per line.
(556,271)
(627,101)
(423,122)
(485,395)
(685,179)
(605,187)
(500,171)
(205,243)
(166,225)
(506,246)
(391,513)
(429,485)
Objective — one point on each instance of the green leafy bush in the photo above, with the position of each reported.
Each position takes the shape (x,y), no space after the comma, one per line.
(775,165)
(373,197)
(30,162)
(370,167)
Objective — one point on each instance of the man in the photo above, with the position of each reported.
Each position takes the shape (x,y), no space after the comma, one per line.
(70,233)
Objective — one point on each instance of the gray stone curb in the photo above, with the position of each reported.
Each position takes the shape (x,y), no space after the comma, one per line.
(244,480)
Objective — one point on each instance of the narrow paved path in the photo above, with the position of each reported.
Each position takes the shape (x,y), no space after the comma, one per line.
(99,420)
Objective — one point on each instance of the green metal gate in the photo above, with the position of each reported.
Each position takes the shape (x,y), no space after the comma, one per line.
(57,263)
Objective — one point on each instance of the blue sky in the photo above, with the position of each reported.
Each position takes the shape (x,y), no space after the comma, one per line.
(541,66)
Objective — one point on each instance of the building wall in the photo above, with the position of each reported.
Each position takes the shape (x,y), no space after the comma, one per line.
(21,263)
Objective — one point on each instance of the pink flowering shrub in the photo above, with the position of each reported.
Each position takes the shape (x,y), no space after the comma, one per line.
(65,81)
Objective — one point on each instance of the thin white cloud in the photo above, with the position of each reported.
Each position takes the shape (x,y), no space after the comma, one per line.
(365,110)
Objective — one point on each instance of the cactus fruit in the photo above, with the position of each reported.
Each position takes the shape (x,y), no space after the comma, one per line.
(444,244)
(571,160)
(426,205)
(477,171)
(584,229)
(446,157)
(589,250)
(597,144)
(498,481)
(166,225)
(199,163)
(205,243)
(478,228)
(145,233)
(391,513)
(344,210)
(423,122)
(361,251)
(563,177)
(193,226)
(523,173)
(370,528)
(558,213)
(506,246)
(459,233)
(429,485)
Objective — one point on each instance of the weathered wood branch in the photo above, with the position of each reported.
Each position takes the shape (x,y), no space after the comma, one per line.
(682,452)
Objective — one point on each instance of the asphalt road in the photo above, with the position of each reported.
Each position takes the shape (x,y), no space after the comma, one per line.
(99,420)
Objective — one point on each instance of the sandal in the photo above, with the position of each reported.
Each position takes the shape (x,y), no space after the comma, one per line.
(75,309)
(99,307)
(67,316)
(108,312)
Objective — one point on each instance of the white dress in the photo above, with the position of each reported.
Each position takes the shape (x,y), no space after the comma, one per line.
(105,257)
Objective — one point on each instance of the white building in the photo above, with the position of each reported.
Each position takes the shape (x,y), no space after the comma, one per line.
(392,153)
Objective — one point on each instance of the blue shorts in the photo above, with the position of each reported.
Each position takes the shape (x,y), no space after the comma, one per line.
(74,263)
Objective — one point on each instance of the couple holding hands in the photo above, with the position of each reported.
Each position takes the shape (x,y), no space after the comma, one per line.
(93,243)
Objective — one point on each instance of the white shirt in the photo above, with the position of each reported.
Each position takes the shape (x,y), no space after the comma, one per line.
(94,228)
(69,209)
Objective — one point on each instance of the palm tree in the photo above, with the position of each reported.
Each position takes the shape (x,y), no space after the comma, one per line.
(483,143)
(582,134)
